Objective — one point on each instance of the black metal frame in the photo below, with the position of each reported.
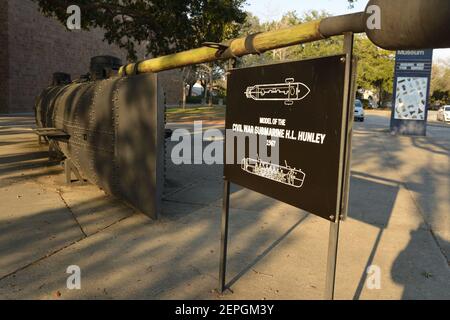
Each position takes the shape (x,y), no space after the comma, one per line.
(70,168)
(224,235)
(344,182)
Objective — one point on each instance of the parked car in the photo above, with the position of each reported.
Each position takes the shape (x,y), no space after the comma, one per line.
(359,111)
(387,105)
(443,114)
(373,105)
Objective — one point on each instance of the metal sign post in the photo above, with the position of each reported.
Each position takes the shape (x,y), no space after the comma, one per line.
(302,112)
(225,217)
(347,129)
(224,235)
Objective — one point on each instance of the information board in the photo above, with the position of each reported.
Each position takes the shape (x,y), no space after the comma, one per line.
(298,110)
(411,91)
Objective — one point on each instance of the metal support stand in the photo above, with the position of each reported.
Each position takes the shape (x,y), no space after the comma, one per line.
(225,218)
(68,169)
(332,259)
(224,235)
(343,206)
(342,200)
(53,153)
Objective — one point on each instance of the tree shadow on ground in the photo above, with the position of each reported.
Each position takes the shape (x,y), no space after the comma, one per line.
(419,166)
(177,256)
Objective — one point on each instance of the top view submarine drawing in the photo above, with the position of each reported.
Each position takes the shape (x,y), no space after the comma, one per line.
(289,91)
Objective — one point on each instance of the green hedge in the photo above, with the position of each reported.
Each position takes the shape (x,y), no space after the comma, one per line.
(199,100)
(194,100)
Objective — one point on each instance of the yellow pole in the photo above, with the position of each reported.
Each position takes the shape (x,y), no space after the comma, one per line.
(252,44)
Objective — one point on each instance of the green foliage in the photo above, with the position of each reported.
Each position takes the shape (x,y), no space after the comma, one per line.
(440,83)
(375,65)
(253,25)
(162,26)
(194,99)
(199,99)
(440,97)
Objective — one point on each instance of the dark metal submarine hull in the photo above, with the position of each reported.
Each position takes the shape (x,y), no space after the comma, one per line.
(115,131)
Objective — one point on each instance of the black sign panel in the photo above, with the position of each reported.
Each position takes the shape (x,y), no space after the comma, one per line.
(298,107)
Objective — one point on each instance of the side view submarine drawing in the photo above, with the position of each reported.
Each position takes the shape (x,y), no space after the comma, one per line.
(282,174)
(289,91)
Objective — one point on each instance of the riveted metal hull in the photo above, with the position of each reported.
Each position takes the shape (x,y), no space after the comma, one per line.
(116,129)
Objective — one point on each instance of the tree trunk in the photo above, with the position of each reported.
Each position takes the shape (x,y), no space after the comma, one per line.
(205,93)
(381,94)
(210,87)
(210,103)
(184,95)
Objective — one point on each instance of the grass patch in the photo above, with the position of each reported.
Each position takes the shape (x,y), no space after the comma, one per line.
(215,113)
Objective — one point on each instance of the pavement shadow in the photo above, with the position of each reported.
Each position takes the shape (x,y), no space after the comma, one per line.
(180,251)
(261,256)
(363,189)
(27,238)
(21,157)
(26,121)
(425,184)
(420,272)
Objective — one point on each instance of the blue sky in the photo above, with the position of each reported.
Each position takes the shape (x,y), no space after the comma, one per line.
(274,9)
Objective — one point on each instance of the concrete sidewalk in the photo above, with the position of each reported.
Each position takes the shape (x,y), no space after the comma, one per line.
(399,221)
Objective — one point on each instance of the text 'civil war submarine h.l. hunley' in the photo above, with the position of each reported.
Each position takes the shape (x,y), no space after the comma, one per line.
(110,126)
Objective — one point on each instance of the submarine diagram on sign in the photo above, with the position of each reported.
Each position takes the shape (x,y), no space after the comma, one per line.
(281,174)
(288,92)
